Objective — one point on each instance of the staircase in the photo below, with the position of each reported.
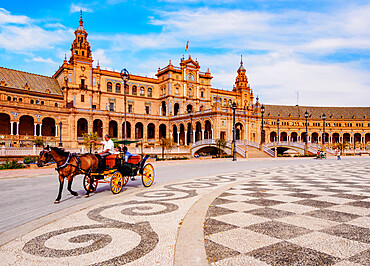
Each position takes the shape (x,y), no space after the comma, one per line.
(256,153)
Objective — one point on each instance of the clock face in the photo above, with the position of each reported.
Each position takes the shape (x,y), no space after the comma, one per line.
(190,77)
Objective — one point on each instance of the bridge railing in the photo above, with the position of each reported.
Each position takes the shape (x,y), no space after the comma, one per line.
(253,144)
(203,142)
(269,151)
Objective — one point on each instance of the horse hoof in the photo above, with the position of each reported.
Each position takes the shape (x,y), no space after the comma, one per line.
(56,202)
(76,194)
(86,196)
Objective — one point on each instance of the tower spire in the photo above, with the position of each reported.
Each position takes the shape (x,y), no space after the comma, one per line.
(241,59)
(81,21)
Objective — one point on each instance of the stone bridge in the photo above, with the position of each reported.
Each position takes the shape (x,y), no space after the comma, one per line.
(298,146)
(268,148)
(241,147)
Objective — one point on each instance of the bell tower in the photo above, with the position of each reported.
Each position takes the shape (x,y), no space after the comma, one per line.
(241,82)
(242,87)
(80,50)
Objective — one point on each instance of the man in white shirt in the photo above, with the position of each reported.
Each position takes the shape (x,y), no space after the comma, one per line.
(108,146)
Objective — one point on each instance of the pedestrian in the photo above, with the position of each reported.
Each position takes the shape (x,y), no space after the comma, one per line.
(338,154)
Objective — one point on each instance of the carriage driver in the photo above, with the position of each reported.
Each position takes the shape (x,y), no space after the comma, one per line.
(108,146)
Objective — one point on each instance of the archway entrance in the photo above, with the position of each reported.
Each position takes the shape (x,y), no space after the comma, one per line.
(26,125)
(98,127)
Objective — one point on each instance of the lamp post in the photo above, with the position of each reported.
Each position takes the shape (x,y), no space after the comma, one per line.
(262,131)
(306,135)
(125,75)
(190,111)
(278,124)
(234,144)
(60,135)
(323,134)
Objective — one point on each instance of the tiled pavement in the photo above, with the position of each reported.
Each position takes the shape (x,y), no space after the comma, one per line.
(309,214)
(293,216)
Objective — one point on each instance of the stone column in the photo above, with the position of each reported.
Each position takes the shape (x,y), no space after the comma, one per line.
(34,129)
(56,130)
(203,136)
(212,133)
(11,128)
(17,129)
(186,138)
(178,138)
(193,136)
(40,132)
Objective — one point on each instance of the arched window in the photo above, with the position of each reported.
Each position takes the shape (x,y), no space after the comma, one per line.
(32,101)
(9,98)
(150,92)
(177,90)
(224,102)
(142,91)
(109,87)
(230,103)
(176,109)
(118,88)
(42,102)
(14,98)
(134,90)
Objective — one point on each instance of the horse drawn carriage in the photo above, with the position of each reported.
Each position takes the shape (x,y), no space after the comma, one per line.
(116,170)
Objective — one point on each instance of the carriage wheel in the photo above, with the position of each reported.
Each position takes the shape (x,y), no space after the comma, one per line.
(86,183)
(148,175)
(125,180)
(116,182)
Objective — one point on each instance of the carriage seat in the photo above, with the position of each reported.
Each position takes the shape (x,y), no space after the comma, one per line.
(134,159)
(111,160)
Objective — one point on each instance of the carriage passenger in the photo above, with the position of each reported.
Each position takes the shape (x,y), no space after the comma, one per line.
(108,148)
(127,154)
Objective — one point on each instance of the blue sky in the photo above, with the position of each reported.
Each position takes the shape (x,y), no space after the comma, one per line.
(314,52)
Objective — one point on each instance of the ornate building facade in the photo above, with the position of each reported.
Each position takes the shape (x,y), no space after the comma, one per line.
(179,103)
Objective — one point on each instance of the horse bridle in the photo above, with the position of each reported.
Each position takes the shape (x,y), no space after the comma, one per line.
(47,155)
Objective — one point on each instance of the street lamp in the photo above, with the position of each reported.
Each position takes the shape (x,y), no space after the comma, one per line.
(125,75)
(190,111)
(278,124)
(262,131)
(323,134)
(306,135)
(234,145)
(60,135)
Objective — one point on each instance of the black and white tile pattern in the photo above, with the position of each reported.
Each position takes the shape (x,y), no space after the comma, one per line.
(293,216)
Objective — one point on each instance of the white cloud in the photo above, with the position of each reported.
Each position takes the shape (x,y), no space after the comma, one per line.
(45,60)
(31,37)
(100,56)
(78,7)
(6,17)
(22,35)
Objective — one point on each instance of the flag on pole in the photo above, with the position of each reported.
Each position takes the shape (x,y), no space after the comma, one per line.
(187,46)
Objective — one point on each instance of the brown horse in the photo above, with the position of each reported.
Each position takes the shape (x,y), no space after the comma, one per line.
(68,165)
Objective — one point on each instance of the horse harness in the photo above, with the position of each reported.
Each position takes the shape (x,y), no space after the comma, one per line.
(67,162)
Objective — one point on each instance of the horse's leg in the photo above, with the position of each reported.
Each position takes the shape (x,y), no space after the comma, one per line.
(70,179)
(91,187)
(61,182)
